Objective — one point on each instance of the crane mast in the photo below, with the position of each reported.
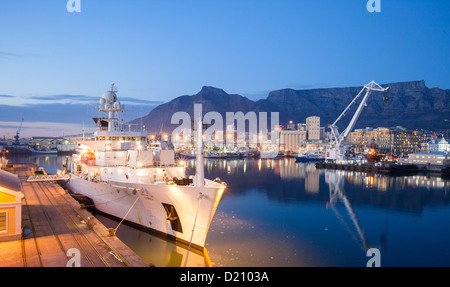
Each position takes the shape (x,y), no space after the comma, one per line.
(16,137)
(336,151)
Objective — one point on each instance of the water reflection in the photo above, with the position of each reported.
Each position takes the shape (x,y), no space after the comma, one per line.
(154,249)
(51,162)
(287,181)
(335,180)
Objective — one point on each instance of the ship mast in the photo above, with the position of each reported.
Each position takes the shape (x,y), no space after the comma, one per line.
(110,105)
(199,165)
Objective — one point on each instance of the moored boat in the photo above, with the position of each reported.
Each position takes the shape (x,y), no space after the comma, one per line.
(127,177)
(304,157)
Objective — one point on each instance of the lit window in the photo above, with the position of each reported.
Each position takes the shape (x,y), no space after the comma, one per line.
(3,221)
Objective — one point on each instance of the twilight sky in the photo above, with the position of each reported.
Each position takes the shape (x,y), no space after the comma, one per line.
(53,63)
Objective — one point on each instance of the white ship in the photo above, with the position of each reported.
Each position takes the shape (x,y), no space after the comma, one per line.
(268,153)
(132,179)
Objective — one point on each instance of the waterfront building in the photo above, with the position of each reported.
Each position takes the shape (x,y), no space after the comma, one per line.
(10,207)
(291,140)
(313,127)
(424,146)
(439,145)
(314,146)
(290,126)
(303,137)
(427,158)
(396,140)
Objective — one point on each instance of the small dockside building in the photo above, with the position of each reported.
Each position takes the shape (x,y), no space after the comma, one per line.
(10,207)
(427,158)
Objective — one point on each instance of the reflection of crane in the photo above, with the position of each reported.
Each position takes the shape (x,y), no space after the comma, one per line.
(336,184)
(336,151)
(16,137)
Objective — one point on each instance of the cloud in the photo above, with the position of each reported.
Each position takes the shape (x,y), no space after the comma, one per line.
(6,96)
(9,55)
(65,98)
(306,86)
(140,101)
(30,129)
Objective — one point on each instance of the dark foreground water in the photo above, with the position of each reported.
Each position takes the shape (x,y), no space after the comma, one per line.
(282,213)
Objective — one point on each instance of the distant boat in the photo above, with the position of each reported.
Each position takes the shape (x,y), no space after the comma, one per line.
(187,155)
(309,157)
(17,149)
(268,153)
(231,155)
(403,167)
(215,155)
(43,151)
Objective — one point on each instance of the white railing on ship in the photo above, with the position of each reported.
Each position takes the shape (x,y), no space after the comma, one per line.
(134,166)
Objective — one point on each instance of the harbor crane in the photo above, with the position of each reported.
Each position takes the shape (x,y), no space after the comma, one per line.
(16,137)
(336,150)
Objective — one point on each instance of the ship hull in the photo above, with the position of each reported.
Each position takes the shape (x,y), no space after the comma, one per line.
(308,159)
(183,213)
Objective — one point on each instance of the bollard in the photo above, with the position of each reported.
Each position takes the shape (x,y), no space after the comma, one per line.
(111,232)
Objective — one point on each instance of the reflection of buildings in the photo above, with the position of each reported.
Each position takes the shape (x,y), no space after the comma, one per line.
(426,181)
(312,179)
(384,183)
(289,169)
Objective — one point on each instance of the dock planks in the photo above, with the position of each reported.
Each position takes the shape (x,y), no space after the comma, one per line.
(57,225)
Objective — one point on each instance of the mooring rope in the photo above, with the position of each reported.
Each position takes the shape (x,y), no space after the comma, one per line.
(193,228)
(115,230)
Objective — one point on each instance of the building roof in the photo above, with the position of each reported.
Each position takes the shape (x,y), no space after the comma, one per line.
(437,141)
(9,181)
(430,153)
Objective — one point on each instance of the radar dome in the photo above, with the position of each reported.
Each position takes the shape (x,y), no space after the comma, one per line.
(102,101)
(109,97)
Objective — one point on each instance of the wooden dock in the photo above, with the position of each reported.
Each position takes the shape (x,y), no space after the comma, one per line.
(56,231)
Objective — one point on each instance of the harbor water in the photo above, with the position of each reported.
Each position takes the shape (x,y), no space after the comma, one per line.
(276,212)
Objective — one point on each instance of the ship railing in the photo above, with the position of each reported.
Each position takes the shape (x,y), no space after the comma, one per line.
(155,164)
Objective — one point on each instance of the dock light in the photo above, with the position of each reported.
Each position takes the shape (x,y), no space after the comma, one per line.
(181,162)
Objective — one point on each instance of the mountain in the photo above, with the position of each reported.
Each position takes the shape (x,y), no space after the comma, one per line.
(411,105)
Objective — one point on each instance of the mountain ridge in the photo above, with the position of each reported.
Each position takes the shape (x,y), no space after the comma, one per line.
(411,105)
